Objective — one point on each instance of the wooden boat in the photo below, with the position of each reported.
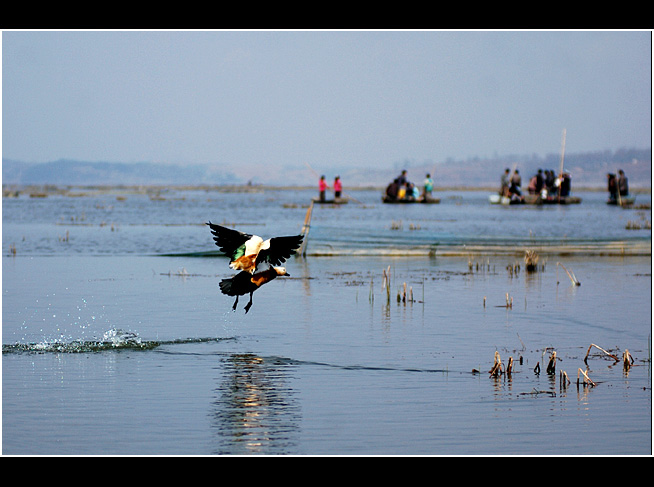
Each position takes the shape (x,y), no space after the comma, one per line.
(541,199)
(534,199)
(496,199)
(622,201)
(335,201)
(429,200)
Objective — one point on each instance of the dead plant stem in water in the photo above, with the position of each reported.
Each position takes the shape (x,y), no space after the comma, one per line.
(570,275)
(599,348)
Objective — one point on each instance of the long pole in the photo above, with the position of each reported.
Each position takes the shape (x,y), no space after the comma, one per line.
(305,230)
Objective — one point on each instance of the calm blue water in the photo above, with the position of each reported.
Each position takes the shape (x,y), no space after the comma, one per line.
(116,339)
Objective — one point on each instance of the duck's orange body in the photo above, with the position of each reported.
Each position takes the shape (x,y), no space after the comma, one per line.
(244,283)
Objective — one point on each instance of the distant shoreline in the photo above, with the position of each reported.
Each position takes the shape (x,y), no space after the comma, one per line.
(9,190)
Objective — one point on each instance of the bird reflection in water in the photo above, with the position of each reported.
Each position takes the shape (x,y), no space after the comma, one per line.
(255,411)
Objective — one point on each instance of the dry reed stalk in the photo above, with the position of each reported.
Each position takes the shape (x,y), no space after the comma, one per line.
(509,302)
(587,380)
(570,275)
(599,348)
(387,283)
(371,295)
(497,365)
(551,366)
(509,367)
(531,260)
(627,359)
(565,380)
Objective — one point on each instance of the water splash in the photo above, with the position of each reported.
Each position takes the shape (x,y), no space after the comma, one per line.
(113,339)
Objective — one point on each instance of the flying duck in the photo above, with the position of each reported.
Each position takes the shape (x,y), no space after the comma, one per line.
(246,251)
(244,282)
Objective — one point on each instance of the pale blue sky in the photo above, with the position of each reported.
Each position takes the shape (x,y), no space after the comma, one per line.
(329,99)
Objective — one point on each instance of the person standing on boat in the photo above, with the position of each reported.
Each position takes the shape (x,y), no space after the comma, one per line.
(623,185)
(322,187)
(428,186)
(338,187)
(401,179)
(566,183)
(612,187)
(516,182)
(550,178)
(392,190)
(504,183)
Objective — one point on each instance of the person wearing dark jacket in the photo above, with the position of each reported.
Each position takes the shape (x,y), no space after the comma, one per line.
(623,185)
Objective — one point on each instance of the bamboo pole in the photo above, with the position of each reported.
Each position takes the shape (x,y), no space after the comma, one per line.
(305,230)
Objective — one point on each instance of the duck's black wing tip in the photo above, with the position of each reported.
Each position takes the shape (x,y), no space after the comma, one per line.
(281,248)
(227,239)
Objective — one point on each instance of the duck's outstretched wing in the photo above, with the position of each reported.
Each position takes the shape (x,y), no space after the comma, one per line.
(228,240)
(280,249)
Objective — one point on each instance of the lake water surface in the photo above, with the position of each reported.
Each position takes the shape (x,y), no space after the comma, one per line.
(116,339)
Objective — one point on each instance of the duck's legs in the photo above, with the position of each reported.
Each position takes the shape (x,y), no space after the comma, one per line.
(235,303)
(247,306)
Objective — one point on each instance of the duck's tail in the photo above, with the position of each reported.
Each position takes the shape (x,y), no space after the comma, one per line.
(226,286)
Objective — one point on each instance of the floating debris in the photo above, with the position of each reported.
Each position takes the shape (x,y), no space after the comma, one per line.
(535,392)
(634,225)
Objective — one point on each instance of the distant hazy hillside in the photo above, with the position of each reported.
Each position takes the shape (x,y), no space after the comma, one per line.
(587,169)
(66,172)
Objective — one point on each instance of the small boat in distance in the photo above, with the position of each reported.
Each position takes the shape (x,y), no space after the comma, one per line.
(534,199)
(622,201)
(428,200)
(335,201)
